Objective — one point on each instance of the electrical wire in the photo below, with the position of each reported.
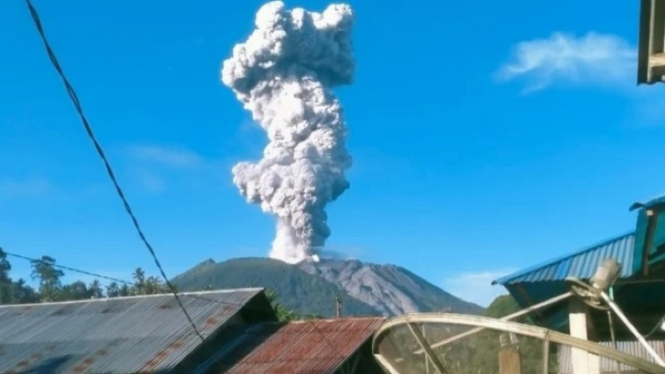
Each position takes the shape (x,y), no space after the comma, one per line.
(32,260)
(77,104)
(128,283)
(100,276)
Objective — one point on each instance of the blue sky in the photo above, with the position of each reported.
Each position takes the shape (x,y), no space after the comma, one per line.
(487,136)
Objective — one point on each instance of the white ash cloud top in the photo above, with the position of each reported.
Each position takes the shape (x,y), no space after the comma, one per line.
(283,74)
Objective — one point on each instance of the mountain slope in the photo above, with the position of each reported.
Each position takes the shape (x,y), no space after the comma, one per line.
(310,288)
(296,289)
(388,288)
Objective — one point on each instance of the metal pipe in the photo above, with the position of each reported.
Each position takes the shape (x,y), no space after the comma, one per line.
(632,328)
(640,364)
(546,356)
(520,313)
(425,346)
(610,320)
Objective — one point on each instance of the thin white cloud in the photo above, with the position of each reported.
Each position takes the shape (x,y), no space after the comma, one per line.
(157,168)
(173,157)
(477,287)
(151,182)
(565,58)
(25,188)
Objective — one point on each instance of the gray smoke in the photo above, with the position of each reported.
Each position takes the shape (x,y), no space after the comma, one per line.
(283,74)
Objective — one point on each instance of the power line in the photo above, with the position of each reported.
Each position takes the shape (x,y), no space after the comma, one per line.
(122,281)
(77,104)
(100,276)
(32,260)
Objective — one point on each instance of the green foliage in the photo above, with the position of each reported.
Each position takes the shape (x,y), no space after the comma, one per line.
(48,276)
(11,291)
(283,314)
(50,287)
(475,354)
(300,292)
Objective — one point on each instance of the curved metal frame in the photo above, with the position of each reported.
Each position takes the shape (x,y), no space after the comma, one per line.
(517,328)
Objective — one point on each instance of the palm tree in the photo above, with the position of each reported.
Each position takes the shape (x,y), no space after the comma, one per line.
(283,314)
(49,277)
(139,280)
(95,290)
(112,290)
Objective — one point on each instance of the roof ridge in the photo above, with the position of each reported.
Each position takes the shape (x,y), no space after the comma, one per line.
(133,297)
(328,320)
(561,258)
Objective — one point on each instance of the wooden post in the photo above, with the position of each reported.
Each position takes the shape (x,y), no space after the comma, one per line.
(510,361)
(579,323)
(338,306)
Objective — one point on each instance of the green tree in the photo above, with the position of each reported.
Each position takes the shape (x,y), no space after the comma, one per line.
(74,291)
(21,293)
(5,280)
(283,314)
(49,278)
(95,290)
(486,343)
(139,281)
(125,290)
(148,286)
(112,290)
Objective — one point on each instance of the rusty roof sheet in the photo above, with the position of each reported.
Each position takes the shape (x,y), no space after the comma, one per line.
(115,335)
(312,347)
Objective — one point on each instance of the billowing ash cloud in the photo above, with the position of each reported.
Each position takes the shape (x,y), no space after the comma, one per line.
(283,74)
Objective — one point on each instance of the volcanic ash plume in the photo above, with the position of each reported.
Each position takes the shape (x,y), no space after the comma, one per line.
(283,74)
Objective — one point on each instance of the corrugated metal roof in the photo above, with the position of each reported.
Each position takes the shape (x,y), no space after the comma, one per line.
(115,335)
(581,264)
(312,347)
(608,365)
(656,200)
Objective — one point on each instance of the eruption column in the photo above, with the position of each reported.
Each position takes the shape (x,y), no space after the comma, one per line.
(283,74)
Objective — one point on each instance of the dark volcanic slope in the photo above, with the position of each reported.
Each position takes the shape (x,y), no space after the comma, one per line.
(310,288)
(297,290)
(388,288)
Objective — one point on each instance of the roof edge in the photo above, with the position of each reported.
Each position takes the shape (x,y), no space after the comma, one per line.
(333,320)
(505,279)
(107,299)
(356,350)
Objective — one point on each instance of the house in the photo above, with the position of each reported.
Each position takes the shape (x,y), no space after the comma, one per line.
(122,335)
(641,254)
(151,334)
(314,346)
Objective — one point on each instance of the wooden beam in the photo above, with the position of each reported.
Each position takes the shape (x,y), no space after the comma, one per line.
(426,347)
(657,60)
(583,362)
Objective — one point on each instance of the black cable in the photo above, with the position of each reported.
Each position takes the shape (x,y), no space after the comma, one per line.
(100,276)
(121,281)
(67,268)
(100,152)
(77,104)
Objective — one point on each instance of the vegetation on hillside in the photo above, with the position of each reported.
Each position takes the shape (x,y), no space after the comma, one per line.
(298,291)
(475,354)
(48,278)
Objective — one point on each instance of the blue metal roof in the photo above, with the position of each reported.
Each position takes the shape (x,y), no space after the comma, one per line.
(659,199)
(581,264)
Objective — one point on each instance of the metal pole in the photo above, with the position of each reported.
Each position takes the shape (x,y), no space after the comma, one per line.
(522,312)
(425,346)
(426,360)
(546,355)
(632,328)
